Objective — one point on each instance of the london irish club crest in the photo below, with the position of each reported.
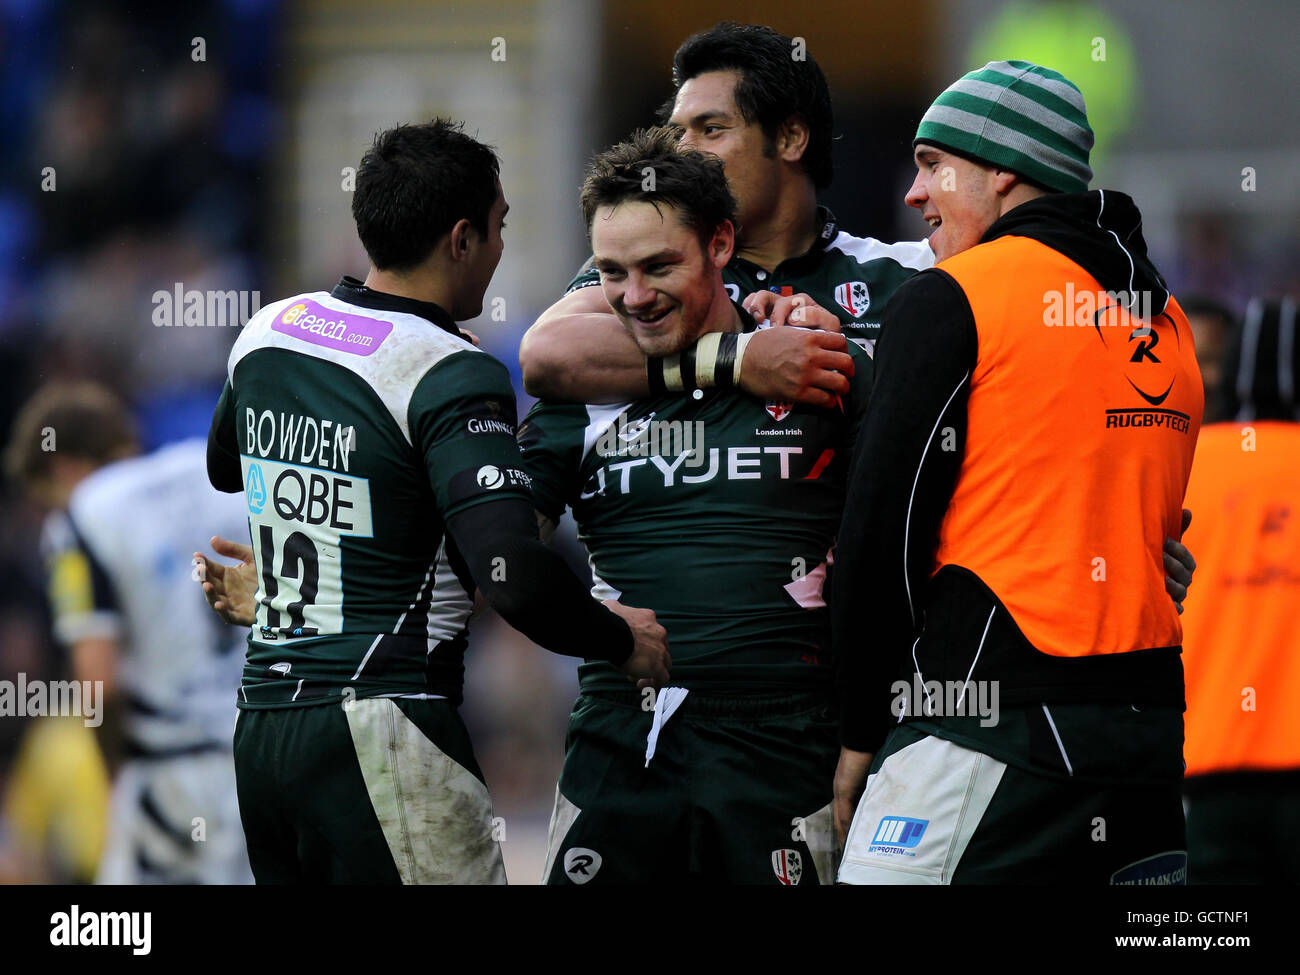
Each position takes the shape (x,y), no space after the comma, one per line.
(853,297)
(788,866)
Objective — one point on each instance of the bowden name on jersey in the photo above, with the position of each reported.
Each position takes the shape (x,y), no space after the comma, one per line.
(853,277)
(718,513)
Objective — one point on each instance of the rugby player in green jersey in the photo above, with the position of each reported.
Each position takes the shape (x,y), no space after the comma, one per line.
(718,510)
(376,449)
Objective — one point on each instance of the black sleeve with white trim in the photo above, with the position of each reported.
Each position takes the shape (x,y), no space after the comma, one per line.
(908,455)
(531,586)
(462,421)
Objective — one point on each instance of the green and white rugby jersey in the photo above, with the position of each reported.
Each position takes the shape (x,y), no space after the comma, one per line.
(358,422)
(854,277)
(718,513)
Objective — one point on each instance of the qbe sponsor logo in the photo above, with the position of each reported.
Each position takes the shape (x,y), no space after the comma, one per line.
(897,836)
(308,497)
(255,489)
(298,517)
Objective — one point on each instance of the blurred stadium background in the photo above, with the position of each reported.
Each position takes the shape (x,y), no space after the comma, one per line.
(133,165)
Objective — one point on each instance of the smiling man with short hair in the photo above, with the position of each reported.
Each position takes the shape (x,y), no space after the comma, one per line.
(1005,518)
(725,776)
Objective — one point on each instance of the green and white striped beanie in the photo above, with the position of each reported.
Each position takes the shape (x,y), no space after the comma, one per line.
(1018,116)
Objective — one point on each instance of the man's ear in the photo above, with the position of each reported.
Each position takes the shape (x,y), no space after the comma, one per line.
(463,236)
(723,244)
(792,139)
(1004,181)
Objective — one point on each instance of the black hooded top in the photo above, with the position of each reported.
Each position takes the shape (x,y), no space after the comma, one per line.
(928,345)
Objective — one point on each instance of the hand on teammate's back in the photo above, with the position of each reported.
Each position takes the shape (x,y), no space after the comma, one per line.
(650,660)
(230,589)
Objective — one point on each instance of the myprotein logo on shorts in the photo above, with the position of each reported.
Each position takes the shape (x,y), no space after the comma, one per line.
(581,864)
(897,835)
(341,331)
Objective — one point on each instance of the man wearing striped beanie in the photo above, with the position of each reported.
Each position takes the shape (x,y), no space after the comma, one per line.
(1007,653)
(1023,125)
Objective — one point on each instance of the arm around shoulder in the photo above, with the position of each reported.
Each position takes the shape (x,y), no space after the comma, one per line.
(578,351)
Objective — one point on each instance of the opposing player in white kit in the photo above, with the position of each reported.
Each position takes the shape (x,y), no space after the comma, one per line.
(119,541)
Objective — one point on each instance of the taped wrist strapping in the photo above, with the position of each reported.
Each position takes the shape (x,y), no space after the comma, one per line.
(713,361)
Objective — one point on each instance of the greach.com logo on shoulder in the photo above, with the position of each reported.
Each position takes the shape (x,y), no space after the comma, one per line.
(314,323)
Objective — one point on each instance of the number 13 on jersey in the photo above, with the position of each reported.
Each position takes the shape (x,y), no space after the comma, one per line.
(297,516)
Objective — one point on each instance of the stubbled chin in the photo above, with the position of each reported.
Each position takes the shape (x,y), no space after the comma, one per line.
(655,345)
(657,341)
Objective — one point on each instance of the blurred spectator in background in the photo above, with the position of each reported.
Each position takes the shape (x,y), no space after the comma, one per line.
(137,149)
(135,163)
(158,673)
(55,807)
(1212,326)
(1241,641)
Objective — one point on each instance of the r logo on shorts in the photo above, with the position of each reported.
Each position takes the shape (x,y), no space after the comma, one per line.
(581,864)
